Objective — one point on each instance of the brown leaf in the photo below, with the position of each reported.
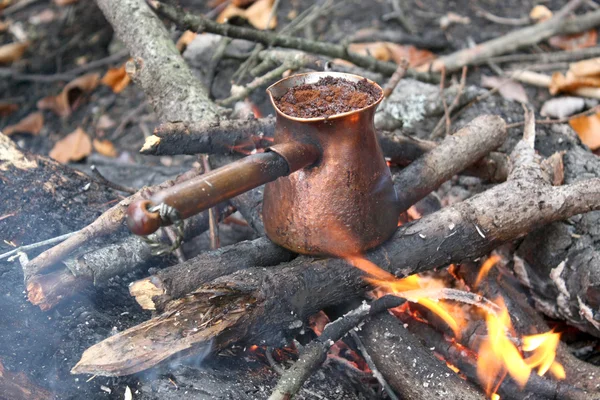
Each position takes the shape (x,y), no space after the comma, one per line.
(588,129)
(589,67)
(257,14)
(105,147)
(5,3)
(64,2)
(7,108)
(569,82)
(32,124)
(116,78)
(387,51)
(576,41)
(4,25)
(12,52)
(184,40)
(507,88)
(71,96)
(73,147)
(540,13)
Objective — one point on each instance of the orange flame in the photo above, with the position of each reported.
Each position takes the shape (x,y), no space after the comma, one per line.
(498,355)
(486,267)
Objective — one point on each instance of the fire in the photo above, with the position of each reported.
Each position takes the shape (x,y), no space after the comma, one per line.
(498,355)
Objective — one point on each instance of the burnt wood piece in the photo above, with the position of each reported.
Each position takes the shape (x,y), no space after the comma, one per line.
(408,366)
(18,387)
(155,291)
(99,265)
(230,136)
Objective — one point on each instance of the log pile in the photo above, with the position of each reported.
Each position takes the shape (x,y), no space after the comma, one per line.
(537,207)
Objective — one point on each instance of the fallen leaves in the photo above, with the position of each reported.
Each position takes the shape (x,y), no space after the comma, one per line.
(116,78)
(574,42)
(388,51)
(257,14)
(32,124)
(184,40)
(73,147)
(7,108)
(71,96)
(588,129)
(12,52)
(580,75)
(105,147)
(507,88)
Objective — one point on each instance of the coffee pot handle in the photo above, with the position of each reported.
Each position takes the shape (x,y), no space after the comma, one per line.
(198,194)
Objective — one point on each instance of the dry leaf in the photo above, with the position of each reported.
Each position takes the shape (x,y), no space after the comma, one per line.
(71,96)
(257,14)
(12,52)
(73,147)
(507,88)
(588,129)
(540,13)
(7,108)
(387,51)
(574,42)
(64,2)
(569,82)
(589,67)
(184,40)
(4,25)
(5,3)
(562,107)
(116,78)
(105,147)
(32,124)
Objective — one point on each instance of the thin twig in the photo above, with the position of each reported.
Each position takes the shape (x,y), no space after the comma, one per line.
(129,117)
(110,184)
(18,6)
(502,20)
(36,245)
(396,77)
(213,224)
(274,364)
(363,351)
(564,120)
(446,120)
(557,56)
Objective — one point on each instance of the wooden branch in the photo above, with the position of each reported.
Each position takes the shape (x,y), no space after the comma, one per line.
(558,25)
(199,23)
(99,265)
(430,42)
(408,366)
(157,67)
(109,222)
(19,387)
(247,135)
(155,291)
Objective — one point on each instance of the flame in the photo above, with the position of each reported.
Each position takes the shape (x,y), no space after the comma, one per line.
(486,267)
(498,355)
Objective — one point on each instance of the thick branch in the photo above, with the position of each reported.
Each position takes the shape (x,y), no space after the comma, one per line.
(559,25)
(199,23)
(157,66)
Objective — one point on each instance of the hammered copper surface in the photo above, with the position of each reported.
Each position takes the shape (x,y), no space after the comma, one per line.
(346,202)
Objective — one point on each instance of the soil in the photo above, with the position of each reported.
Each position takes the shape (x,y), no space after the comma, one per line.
(328,97)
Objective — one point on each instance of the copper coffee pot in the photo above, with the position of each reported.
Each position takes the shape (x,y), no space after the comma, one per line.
(328,188)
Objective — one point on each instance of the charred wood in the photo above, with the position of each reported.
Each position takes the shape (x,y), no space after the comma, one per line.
(18,387)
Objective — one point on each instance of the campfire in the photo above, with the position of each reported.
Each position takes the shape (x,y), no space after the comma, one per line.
(351,227)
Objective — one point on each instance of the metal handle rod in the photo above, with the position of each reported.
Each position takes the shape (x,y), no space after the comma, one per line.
(191,197)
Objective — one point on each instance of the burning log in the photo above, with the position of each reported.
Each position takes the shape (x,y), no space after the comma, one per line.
(275,301)
(18,387)
(408,366)
(228,136)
